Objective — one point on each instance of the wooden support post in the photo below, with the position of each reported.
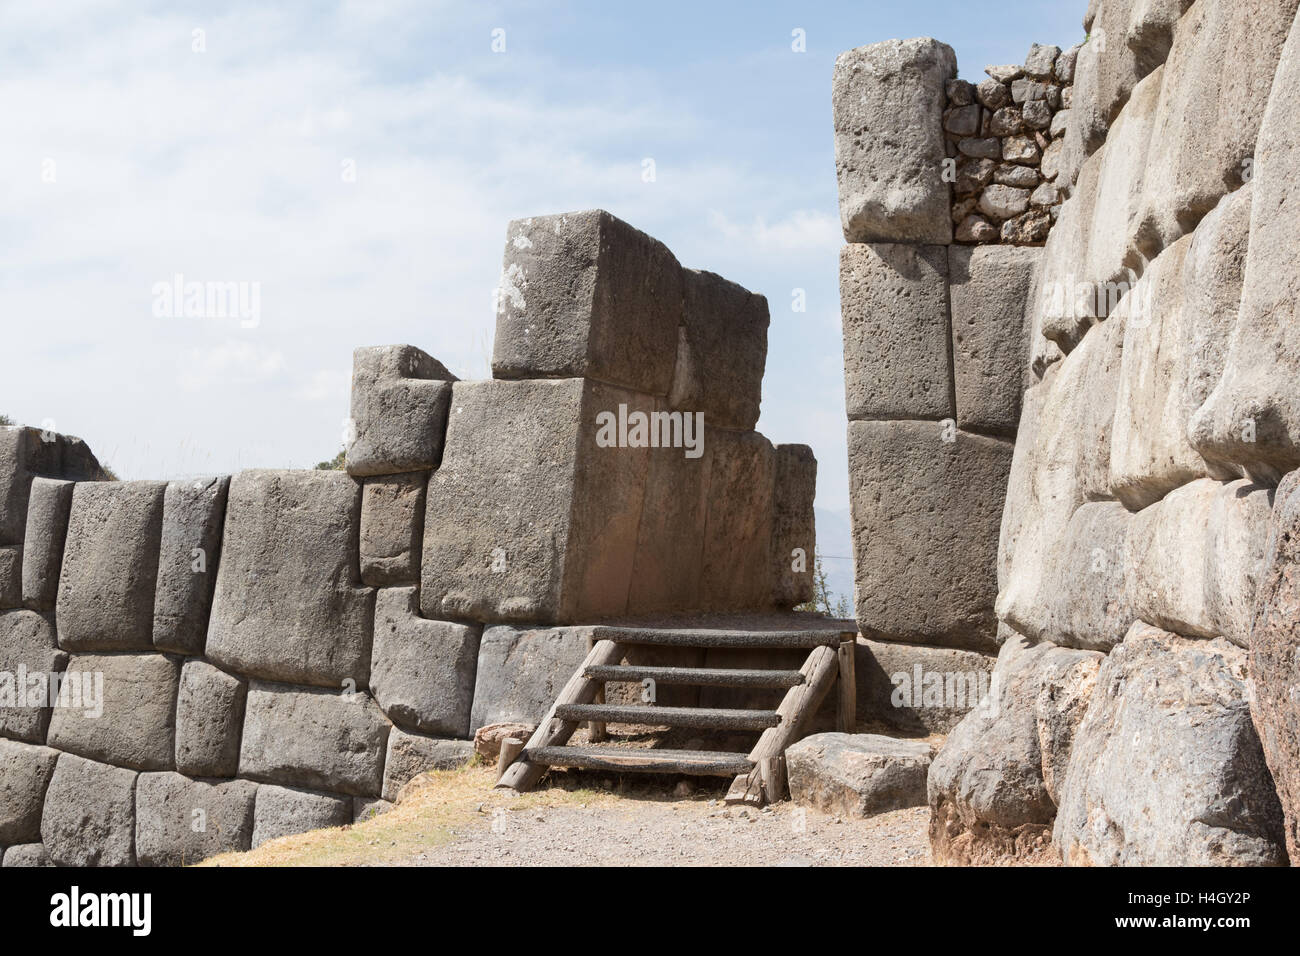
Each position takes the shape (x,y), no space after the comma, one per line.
(596,731)
(799,702)
(772,774)
(847,715)
(510,748)
(523,774)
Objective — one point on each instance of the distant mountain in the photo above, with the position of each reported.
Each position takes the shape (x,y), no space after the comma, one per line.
(835,547)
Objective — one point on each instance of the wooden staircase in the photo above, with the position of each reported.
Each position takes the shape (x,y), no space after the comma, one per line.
(760,773)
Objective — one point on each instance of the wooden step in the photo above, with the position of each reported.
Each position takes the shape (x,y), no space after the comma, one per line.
(702,763)
(697,676)
(696,717)
(719,637)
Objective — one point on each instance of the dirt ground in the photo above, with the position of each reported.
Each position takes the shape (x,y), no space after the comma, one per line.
(455,818)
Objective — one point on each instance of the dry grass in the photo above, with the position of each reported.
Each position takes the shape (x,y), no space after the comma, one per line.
(433,809)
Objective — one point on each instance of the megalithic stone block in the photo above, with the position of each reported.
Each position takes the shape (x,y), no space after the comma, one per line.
(25,771)
(794,525)
(410,755)
(209,720)
(89,814)
(288,604)
(126,714)
(533,515)
(399,410)
(423,671)
(738,571)
(165,818)
(896,331)
(392,528)
(48,510)
(584,294)
(989,288)
(29,652)
(110,566)
(721,351)
(284,811)
(314,738)
(522,670)
(28,452)
(193,514)
(888,101)
(927,506)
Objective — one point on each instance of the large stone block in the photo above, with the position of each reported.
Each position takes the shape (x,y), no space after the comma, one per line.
(586,295)
(11,577)
(1211,105)
(1213,272)
(721,351)
(26,453)
(1066,685)
(284,811)
(1064,302)
(399,410)
(410,755)
(857,775)
(129,719)
(1252,418)
(888,101)
(988,799)
(110,566)
(1166,768)
(918,690)
(894,306)
(1195,558)
(194,512)
(533,515)
(1151,28)
(794,525)
(1275,656)
(422,673)
(209,720)
(392,529)
(738,571)
(48,509)
(179,821)
(1150,454)
(1106,71)
(989,288)
(1084,595)
(314,738)
(927,503)
(521,671)
(89,814)
(29,656)
(25,771)
(27,854)
(1062,459)
(288,603)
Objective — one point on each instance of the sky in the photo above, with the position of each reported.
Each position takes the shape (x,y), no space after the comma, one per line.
(355,164)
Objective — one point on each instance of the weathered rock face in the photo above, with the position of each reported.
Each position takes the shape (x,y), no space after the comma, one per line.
(1275,656)
(1166,768)
(1252,418)
(521,671)
(857,775)
(894,303)
(288,604)
(888,101)
(989,289)
(127,712)
(179,821)
(26,453)
(29,655)
(89,814)
(110,564)
(399,410)
(1067,683)
(193,515)
(25,771)
(988,799)
(314,738)
(422,674)
(410,755)
(284,811)
(586,295)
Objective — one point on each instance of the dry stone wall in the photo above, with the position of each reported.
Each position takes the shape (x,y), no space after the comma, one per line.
(193,667)
(1147,680)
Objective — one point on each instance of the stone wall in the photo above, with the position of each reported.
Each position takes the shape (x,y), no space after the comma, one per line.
(1147,704)
(190,667)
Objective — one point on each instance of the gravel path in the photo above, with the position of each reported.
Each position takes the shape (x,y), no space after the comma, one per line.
(682,833)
